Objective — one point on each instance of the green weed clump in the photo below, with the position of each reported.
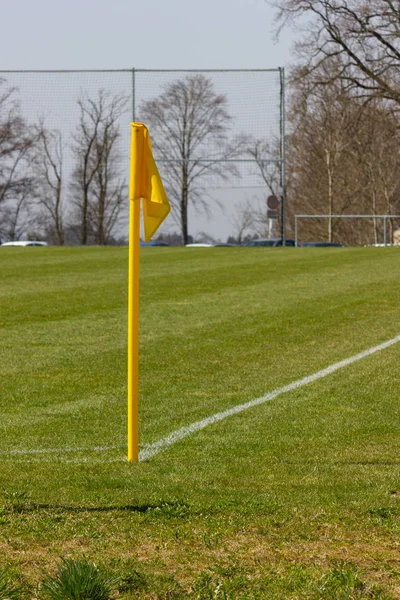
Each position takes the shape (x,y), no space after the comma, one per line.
(342,581)
(9,590)
(78,580)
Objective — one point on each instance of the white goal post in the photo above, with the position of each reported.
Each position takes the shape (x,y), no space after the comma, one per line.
(384,217)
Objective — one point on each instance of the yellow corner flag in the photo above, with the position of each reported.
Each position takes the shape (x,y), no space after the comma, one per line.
(144,183)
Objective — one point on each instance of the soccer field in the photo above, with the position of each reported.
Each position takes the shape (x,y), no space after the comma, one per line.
(292,498)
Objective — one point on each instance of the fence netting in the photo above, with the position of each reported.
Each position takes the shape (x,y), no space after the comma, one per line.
(235,174)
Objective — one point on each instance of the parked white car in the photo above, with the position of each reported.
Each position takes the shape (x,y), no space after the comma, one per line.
(25,243)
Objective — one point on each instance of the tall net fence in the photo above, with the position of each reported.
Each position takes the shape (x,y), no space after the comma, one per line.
(236,169)
(229,201)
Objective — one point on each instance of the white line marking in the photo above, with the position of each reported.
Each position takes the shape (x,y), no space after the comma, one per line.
(61,450)
(180,434)
(151,450)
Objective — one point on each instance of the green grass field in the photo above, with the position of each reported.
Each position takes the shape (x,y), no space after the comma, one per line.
(290,499)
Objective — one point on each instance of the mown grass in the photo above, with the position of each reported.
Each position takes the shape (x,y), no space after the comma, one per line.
(292,499)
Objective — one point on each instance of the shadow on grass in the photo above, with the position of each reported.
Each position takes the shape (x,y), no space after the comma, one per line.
(356,463)
(172,509)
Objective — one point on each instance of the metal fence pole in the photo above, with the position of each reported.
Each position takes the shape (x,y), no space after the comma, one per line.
(282,155)
(295,231)
(133,96)
(384,231)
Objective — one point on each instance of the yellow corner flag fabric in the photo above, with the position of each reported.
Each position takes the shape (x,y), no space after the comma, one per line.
(145,181)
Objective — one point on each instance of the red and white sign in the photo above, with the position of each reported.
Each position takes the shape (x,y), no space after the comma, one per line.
(273,202)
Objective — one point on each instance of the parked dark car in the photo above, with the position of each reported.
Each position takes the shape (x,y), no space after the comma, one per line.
(321,245)
(154,243)
(271,242)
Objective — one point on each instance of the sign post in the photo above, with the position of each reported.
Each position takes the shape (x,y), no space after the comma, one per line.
(272,211)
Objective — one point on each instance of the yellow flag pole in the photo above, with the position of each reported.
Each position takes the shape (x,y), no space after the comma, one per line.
(144,183)
(136,174)
(133,332)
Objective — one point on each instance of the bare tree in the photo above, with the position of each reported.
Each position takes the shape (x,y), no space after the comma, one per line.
(48,165)
(17,141)
(363,34)
(321,157)
(189,124)
(242,220)
(377,144)
(266,156)
(97,185)
(343,158)
(109,190)
(16,215)
(354,46)
(267,161)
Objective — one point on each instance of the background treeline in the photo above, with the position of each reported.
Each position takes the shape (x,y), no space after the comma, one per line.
(342,144)
(72,187)
(343,155)
(43,195)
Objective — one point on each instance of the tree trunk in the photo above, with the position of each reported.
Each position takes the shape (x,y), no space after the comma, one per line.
(184,206)
(59,232)
(84,224)
(374,220)
(184,221)
(389,212)
(101,209)
(58,221)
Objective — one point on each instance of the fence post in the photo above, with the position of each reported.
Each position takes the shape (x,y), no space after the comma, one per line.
(133,96)
(384,231)
(282,155)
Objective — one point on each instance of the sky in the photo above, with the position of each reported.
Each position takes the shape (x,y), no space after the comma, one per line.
(163,34)
(145,34)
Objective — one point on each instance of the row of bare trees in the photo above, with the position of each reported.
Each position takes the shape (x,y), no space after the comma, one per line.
(36,193)
(190,126)
(342,143)
(191,131)
(343,159)
(344,140)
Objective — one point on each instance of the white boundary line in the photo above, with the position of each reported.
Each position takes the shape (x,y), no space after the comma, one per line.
(60,450)
(151,450)
(180,434)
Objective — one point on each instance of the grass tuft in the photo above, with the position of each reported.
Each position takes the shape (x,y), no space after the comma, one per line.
(177,509)
(342,582)
(78,580)
(8,589)
(16,501)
